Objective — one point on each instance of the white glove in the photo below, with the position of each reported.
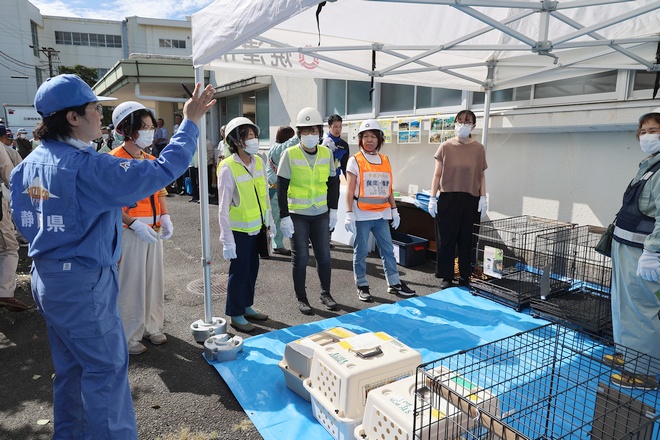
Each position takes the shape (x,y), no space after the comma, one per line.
(144,231)
(396,218)
(433,206)
(483,205)
(271,232)
(167,228)
(648,266)
(349,222)
(286,226)
(229,251)
(332,221)
(328,142)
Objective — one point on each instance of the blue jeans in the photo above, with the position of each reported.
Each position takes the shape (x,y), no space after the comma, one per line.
(381,230)
(314,228)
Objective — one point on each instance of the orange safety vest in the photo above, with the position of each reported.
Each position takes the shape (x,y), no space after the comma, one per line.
(148,209)
(375,183)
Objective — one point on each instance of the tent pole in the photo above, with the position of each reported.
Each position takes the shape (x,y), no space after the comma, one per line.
(484,132)
(203,329)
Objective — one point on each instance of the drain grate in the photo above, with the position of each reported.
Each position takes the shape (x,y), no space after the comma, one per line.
(218,285)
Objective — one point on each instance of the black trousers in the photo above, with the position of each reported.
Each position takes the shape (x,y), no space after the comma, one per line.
(454,227)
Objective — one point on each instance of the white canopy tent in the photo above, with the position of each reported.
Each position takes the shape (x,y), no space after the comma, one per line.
(477,45)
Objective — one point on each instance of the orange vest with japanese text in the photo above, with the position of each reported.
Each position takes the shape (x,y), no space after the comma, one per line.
(375,183)
(148,209)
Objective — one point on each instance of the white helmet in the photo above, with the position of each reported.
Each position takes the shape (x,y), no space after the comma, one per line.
(309,117)
(655,110)
(370,124)
(236,123)
(124,109)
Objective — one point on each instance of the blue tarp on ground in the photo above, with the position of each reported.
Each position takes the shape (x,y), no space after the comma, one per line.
(436,325)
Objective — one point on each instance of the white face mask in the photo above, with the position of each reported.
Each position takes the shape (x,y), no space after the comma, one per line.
(310,141)
(145,138)
(463,130)
(251,146)
(650,143)
(104,136)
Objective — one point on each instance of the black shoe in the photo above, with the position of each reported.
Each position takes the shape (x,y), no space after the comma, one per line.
(464,282)
(282,251)
(401,289)
(363,293)
(304,307)
(194,200)
(182,193)
(328,302)
(445,285)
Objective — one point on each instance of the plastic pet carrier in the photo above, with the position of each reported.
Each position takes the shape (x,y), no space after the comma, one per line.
(551,382)
(586,302)
(510,268)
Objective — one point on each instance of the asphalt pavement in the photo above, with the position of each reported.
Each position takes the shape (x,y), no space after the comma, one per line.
(173,387)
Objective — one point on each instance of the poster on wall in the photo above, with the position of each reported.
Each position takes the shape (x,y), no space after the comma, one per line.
(386,126)
(441,129)
(409,131)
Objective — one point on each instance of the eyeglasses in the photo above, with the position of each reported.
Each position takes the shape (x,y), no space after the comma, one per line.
(99,108)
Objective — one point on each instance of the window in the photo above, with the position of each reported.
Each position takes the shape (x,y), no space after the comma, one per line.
(263,115)
(397,98)
(177,44)
(583,85)
(83,39)
(335,97)
(35,38)
(101,72)
(253,105)
(506,95)
(39,76)
(432,97)
(644,80)
(358,97)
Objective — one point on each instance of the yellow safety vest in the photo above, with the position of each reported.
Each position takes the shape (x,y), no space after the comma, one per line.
(375,183)
(246,217)
(308,185)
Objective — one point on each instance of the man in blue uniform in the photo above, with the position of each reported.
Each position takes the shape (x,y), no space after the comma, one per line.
(66,200)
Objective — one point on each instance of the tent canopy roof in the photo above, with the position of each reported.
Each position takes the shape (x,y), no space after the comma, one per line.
(469,45)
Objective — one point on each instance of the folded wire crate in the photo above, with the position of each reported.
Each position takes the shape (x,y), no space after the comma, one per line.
(551,382)
(509,266)
(586,301)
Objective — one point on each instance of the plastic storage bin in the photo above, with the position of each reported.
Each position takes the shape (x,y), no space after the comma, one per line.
(297,361)
(388,415)
(409,250)
(343,374)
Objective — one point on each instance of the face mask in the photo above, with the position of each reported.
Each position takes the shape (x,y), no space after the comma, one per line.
(104,136)
(117,137)
(650,143)
(310,141)
(251,146)
(463,130)
(145,138)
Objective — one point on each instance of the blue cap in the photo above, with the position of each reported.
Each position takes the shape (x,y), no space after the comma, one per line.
(62,92)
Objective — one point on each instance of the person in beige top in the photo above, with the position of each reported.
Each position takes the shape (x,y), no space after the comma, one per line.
(9,158)
(460,176)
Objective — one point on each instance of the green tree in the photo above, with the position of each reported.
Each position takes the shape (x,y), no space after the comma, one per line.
(90,76)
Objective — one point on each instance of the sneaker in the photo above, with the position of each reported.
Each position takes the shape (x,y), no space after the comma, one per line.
(634,381)
(614,360)
(328,302)
(241,324)
(282,251)
(304,307)
(401,289)
(445,285)
(363,293)
(157,338)
(136,347)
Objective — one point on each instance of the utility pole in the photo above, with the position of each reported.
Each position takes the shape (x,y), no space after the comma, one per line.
(49,52)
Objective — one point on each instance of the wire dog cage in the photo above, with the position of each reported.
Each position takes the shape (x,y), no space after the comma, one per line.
(586,301)
(512,271)
(551,382)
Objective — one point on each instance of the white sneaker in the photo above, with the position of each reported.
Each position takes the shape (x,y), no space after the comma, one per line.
(135,347)
(157,338)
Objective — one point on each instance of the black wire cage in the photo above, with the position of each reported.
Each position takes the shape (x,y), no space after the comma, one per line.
(508,267)
(587,275)
(551,382)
